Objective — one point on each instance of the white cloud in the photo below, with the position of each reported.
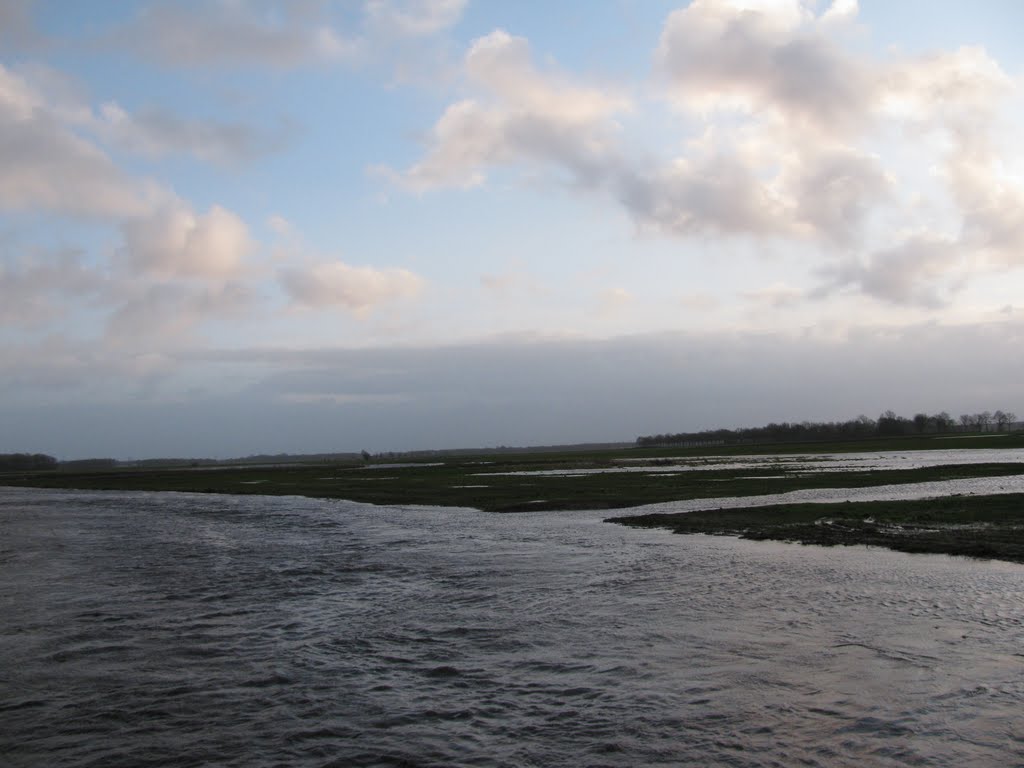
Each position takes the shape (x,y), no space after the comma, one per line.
(614,300)
(521,115)
(790,134)
(340,285)
(414,18)
(173,241)
(46,165)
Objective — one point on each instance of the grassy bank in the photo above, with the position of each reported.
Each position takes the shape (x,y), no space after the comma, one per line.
(975,526)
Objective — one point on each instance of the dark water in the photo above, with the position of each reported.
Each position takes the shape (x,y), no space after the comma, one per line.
(167,629)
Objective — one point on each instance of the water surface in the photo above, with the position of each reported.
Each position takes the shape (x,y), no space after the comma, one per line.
(176,629)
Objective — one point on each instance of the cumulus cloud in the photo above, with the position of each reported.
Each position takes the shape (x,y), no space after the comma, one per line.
(414,18)
(233,34)
(339,285)
(174,241)
(770,56)
(522,114)
(789,134)
(46,165)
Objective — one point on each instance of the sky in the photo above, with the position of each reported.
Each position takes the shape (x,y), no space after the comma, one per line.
(237,227)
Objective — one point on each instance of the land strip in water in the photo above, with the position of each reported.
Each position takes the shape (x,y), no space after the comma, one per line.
(623,478)
(975,526)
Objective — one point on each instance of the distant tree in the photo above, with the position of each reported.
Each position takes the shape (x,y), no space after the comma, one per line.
(1000,420)
(23,461)
(1011,419)
(366,455)
(943,422)
(983,420)
(921,422)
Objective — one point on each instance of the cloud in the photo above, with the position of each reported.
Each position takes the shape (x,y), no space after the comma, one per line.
(775,56)
(777,296)
(521,115)
(18,31)
(791,135)
(614,300)
(495,392)
(720,194)
(232,34)
(173,241)
(923,270)
(414,18)
(163,315)
(40,289)
(835,190)
(338,285)
(156,132)
(46,165)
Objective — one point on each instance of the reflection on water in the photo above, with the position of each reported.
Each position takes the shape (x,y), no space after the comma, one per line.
(156,629)
(905,491)
(798,463)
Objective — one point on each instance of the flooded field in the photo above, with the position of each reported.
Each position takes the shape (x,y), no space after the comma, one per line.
(147,629)
(793,463)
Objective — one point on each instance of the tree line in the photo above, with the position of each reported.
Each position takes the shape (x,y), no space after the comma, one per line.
(888,424)
(13,462)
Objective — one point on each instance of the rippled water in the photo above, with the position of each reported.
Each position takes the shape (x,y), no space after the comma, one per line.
(172,629)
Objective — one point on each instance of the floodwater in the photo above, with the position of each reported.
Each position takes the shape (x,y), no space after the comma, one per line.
(795,463)
(188,630)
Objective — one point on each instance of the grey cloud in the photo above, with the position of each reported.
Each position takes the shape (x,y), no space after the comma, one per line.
(712,50)
(718,195)
(232,34)
(835,190)
(38,292)
(18,31)
(522,392)
(923,270)
(153,131)
(163,315)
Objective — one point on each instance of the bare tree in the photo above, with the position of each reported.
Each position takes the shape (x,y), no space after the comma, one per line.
(984,419)
(1000,419)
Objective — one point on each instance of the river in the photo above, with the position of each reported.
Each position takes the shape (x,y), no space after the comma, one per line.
(145,629)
